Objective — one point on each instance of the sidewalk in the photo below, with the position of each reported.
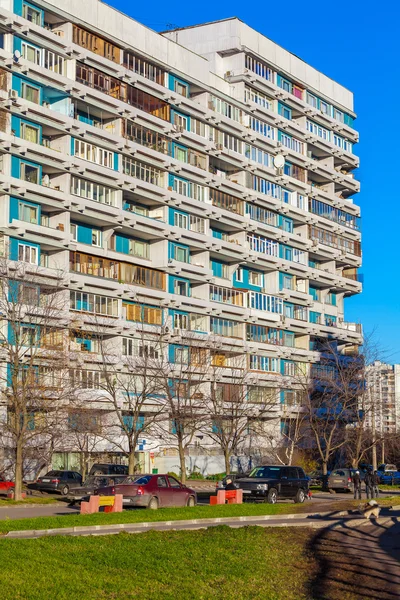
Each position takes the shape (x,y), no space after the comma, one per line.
(315,520)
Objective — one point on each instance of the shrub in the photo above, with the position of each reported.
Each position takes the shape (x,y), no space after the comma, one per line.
(173,474)
(195,475)
(216,476)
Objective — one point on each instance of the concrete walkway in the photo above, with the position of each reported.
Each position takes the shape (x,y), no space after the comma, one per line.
(322,520)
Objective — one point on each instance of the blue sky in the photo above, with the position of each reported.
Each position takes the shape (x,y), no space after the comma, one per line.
(356,43)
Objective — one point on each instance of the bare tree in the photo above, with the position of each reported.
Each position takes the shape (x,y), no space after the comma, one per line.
(181,379)
(240,408)
(32,341)
(332,395)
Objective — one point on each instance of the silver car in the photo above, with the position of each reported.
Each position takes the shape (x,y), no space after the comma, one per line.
(341,479)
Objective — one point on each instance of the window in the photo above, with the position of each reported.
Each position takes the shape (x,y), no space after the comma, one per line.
(312,100)
(94,154)
(28,254)
(31,14)
(180,153)
(162,482)
(284,111)
(255,278)
(288,282)
(96,238)
(138,248)
(28,213)
(331,298)
(181,355)
(93,191)
(181,88)
(181,321)
(239,275)
(31,53)
(324,107)
(30,133)
(181,186)
(29,173)
(74,232)
(28,294)
(181,253)
(30,93)
(139,348)
(92,303)
(181,220)
(181,288)
(181,122)
(174,483)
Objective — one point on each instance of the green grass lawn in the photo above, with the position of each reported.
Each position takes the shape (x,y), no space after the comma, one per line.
(217,563)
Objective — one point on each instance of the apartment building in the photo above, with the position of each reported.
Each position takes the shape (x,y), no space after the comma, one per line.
(383,383)
(199,180)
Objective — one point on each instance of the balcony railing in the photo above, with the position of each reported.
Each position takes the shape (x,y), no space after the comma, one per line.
(227,295)
(155,140)
(120,271)
(122,91)
(263,245)
(227,202)
(334,241)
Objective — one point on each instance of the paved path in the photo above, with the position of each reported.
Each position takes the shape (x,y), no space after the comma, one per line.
(359,563)
(35,510)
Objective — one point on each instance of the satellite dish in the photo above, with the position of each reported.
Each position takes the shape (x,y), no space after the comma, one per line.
(279,161)
(17,55)
(46,180)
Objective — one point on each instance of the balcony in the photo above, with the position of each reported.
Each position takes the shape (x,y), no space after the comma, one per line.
(122,91)
(227,295)
(227,202)
(334,241)
(160,143)
(263,245)
(111,269)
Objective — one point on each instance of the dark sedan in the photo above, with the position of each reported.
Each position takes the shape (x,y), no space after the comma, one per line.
(152,491)
(57,481)
(91,485)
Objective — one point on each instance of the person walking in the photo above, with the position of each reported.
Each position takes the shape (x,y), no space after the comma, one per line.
(376,483)
(369,485)
(357,484)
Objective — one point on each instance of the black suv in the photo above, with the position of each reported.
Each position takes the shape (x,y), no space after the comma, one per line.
(272,483)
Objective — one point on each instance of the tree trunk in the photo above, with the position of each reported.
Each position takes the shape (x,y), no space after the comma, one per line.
(227,462)
(354,463)
(131,461)
(19,467)
(324,468)
(182,462)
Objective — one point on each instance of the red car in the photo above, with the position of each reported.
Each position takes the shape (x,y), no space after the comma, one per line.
(5,486)
(152,491)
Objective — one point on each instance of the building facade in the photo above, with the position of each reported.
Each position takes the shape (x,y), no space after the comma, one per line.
(199,180)
(383,384)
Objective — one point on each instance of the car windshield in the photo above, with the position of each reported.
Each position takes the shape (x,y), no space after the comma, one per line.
(266,472)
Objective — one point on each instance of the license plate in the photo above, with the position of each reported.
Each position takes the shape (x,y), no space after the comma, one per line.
(45,480)
(337,481)
(246,491)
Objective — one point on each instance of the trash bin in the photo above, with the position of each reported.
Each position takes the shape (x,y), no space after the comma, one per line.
(154,471)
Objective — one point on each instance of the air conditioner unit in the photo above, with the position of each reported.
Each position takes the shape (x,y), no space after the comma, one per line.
(13,94)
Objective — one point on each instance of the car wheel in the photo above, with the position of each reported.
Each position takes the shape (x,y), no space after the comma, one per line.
(64,490)
(300,497)
(272,496)
(191,502)
(153,504)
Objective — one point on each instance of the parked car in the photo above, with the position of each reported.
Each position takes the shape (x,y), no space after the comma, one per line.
(152,491)
(57,481)
(5,486)
(341,479)
(389,477)
(91,485)
(318,478)
(386,467)
(108,469)
(272,483)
